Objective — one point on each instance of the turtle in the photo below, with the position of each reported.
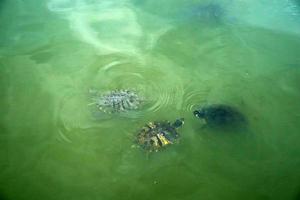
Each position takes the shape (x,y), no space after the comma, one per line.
(203,12)
(115,101)
(155,135)
(210,11)
(220,116)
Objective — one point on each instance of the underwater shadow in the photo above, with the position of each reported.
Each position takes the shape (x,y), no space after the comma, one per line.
(297,197)
(209,12)
(3,197)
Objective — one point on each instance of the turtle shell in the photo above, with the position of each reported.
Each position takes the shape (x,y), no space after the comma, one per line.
(156,135)
(116,101)
(221,116)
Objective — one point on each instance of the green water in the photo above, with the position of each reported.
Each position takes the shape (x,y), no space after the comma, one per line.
(179,55)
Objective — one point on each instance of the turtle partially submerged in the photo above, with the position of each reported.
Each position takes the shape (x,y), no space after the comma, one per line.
(115,101)
(221,116)
(210,11)
(156,135)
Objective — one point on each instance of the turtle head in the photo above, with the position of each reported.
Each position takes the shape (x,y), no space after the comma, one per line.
(178,123)
(199,113)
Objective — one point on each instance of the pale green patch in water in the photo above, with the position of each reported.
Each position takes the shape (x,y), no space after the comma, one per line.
(52,52)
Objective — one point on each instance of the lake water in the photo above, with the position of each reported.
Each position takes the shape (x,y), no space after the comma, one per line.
(178,55)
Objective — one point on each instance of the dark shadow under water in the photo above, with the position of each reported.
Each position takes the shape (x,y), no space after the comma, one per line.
(3,197)
(208,12)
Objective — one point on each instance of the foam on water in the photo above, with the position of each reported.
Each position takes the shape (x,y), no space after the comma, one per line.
(109,26)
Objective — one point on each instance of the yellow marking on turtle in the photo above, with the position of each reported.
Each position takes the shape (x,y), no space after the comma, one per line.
(164,141)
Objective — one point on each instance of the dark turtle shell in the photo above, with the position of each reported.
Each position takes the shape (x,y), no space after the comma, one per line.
(222,116)
(156,135)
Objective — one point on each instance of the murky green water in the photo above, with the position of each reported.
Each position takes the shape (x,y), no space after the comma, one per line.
(178,55)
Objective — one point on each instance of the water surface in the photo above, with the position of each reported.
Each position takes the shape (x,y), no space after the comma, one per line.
(179,55)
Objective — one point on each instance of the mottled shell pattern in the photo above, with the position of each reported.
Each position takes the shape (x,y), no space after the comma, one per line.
(116,101)
(156,135)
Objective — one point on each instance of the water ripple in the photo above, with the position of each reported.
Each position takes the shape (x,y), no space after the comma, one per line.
(158,85)
(193,98)
(148,81)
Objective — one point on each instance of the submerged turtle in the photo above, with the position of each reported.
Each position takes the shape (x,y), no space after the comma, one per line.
(210,11)
(156,135)
(221,116)
(116,101)
(204,12)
